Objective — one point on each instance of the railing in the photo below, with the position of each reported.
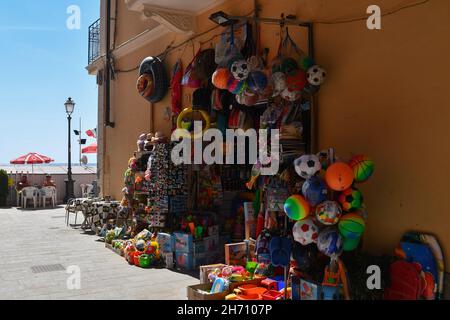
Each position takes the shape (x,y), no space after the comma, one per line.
(94,41)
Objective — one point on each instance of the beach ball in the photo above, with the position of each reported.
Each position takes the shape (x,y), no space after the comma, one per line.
(363,167)
(306,62)
(328,213)
(305,232)
(297,208)
(140,245)
(339,176)
(236,87)
(315,191)
(257,81)
(351,199)
(289,66)
(297,81)
(351,228)
(220,78)
(330,242)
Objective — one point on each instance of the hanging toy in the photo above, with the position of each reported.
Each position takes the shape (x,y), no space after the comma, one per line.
(363,167)
(339,176)
(221,77)
(305,232)
(297,208)
(351,199)
(181,123)
(328,213)
(240,70)
(307,166)
(316,75)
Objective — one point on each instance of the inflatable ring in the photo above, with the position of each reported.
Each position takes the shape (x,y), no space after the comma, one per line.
(145,85)
(155,68)
(189,111)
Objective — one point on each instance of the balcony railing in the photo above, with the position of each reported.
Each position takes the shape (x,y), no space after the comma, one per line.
(94,41)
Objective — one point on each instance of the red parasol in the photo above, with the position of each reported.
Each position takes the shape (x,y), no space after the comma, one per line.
(90,149)
(32,158)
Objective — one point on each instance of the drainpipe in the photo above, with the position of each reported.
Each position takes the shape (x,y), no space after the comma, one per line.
(108,122)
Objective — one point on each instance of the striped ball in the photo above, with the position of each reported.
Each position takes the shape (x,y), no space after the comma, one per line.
(352,226)
(363,167)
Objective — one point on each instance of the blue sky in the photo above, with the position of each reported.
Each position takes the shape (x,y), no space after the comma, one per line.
(42,63)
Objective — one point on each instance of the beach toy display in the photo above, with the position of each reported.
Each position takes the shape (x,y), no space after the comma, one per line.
(363,167)
(339,176)
(315,191)
(297,208)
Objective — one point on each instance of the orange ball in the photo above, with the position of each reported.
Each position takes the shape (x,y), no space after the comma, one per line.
(220,78)
(339,176)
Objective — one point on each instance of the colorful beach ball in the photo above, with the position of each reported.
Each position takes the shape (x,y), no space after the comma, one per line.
(351,228)
(297,208)
(305,232)
(339,176)
(363,167)
(257,81)
(220,78)
(315,191)
(235,86)
(330,242)
(328,213)
(351,199)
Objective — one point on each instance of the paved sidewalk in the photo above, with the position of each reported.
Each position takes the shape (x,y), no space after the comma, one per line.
(37,238)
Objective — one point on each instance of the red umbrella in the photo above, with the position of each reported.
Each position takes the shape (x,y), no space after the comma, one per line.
(32,158)
(90,149)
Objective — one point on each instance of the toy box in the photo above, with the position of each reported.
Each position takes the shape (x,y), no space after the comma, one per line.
(212,243)
(183,242)
(168,258)
(237,254)
(189,261)
(166,242)
(309,290)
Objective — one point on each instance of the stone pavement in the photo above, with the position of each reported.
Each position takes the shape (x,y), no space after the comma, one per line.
(37,238)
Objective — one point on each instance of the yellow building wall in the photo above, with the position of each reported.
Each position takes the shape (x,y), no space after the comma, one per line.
(386,96)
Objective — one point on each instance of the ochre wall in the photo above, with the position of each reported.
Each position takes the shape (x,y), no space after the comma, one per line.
(386,96)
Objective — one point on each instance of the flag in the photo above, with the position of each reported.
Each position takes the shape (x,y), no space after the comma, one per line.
(92,133)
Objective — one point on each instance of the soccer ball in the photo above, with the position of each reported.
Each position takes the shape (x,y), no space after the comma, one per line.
(305,232)
(140,245)
(330,242)
(351,199)
(316,75)
(307,166)
(240,70)
(329,213)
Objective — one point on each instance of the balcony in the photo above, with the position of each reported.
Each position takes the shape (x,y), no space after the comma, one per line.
(94,42)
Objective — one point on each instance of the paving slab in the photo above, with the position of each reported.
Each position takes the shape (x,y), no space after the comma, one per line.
(39,238)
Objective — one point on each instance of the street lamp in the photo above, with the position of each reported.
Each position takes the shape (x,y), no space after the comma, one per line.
(70,106)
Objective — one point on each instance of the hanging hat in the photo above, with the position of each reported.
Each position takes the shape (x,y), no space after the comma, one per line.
(205,64)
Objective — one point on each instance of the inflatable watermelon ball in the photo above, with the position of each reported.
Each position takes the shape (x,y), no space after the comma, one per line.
(297,208)
(363,167)
(351,199)
(351,228)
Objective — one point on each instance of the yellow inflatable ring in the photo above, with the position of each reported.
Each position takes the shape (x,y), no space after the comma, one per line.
(188,111)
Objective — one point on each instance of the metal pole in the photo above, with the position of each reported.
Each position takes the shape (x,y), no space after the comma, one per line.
(79,141)
(69,182)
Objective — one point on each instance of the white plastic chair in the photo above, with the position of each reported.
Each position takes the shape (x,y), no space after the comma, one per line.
(49,193)
(29,193)
(86,190)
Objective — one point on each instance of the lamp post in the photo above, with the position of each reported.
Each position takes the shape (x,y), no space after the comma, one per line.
(70,106)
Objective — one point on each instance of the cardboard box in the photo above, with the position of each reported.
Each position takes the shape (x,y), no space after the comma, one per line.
(237,254)
(206,270)
(212,243)
(183,242)
(189,261)
(197,292)
(166,242)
